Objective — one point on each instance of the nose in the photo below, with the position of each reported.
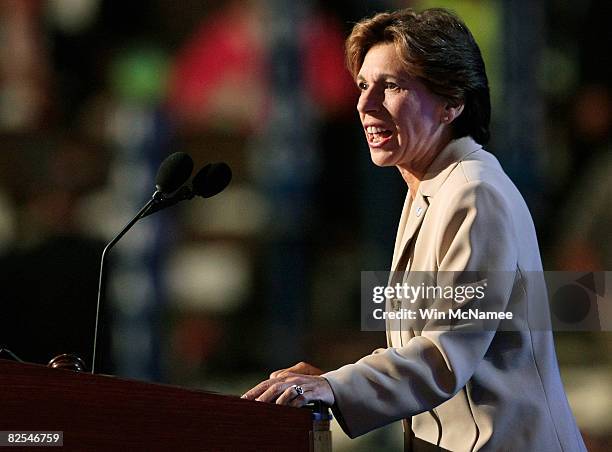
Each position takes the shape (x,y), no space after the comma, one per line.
(369,101)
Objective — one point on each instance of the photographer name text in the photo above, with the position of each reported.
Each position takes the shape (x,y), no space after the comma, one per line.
(437,314)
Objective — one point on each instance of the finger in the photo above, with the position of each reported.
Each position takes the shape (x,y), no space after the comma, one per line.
(299,368)
(308,369)
(279,373)
(299,401)
(255,392)
(290,397)
(315,388)
(285,375)
(274,391)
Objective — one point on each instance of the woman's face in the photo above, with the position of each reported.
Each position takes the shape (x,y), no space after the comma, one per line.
(401,118)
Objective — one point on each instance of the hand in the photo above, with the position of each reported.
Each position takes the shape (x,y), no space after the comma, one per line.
(280,388)
(300,368)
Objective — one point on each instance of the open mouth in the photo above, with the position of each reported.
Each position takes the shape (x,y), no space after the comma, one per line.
(377,134)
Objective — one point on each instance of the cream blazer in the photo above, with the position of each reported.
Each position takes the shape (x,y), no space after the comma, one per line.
(465,391)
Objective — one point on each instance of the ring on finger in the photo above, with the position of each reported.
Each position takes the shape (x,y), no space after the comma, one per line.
(298,389)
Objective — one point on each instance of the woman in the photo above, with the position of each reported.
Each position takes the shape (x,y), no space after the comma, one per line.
(424,106)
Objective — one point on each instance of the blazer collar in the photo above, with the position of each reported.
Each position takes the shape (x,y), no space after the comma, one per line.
(456,151)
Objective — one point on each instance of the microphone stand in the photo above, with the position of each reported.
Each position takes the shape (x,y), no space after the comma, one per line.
(155,199)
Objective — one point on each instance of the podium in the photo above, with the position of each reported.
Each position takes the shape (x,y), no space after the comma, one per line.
(105,413)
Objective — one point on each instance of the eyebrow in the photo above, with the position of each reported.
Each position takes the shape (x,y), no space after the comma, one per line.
(383,76)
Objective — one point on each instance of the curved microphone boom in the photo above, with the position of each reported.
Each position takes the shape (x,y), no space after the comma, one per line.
(173,172)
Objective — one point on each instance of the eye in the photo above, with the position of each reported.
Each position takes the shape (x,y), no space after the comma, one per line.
(362,86)
(391,86)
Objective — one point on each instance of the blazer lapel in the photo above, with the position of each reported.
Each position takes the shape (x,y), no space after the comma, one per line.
(414,219)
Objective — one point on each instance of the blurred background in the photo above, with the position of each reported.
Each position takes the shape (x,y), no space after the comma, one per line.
(216,294)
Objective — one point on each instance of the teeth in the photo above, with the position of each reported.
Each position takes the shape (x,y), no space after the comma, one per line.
(371,129)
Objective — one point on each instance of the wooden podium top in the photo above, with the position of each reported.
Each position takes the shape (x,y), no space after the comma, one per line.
(98,412)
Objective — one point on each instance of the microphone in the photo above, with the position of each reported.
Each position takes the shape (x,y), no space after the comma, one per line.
(211,180)
(173,172)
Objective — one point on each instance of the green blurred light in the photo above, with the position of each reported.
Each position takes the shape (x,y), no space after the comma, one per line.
(139,75)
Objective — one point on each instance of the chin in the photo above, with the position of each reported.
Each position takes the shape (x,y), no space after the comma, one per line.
(382,158)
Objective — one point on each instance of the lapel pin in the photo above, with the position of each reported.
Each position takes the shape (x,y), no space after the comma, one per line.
(419,211)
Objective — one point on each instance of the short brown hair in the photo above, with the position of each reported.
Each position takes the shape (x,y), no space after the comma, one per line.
(437,47)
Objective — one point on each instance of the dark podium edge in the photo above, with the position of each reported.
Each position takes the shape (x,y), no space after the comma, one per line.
(99,412)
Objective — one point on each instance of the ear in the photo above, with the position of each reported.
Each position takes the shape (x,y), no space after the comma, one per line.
(451,112)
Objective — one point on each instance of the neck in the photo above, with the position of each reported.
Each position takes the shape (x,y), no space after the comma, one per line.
(412,179)
(413,174)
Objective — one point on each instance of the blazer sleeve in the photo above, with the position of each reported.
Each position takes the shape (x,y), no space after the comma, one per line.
(474,234)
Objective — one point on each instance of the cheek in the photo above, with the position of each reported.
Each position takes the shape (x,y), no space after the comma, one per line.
(416,121)
(430,113)
(408,115)
(407,123)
